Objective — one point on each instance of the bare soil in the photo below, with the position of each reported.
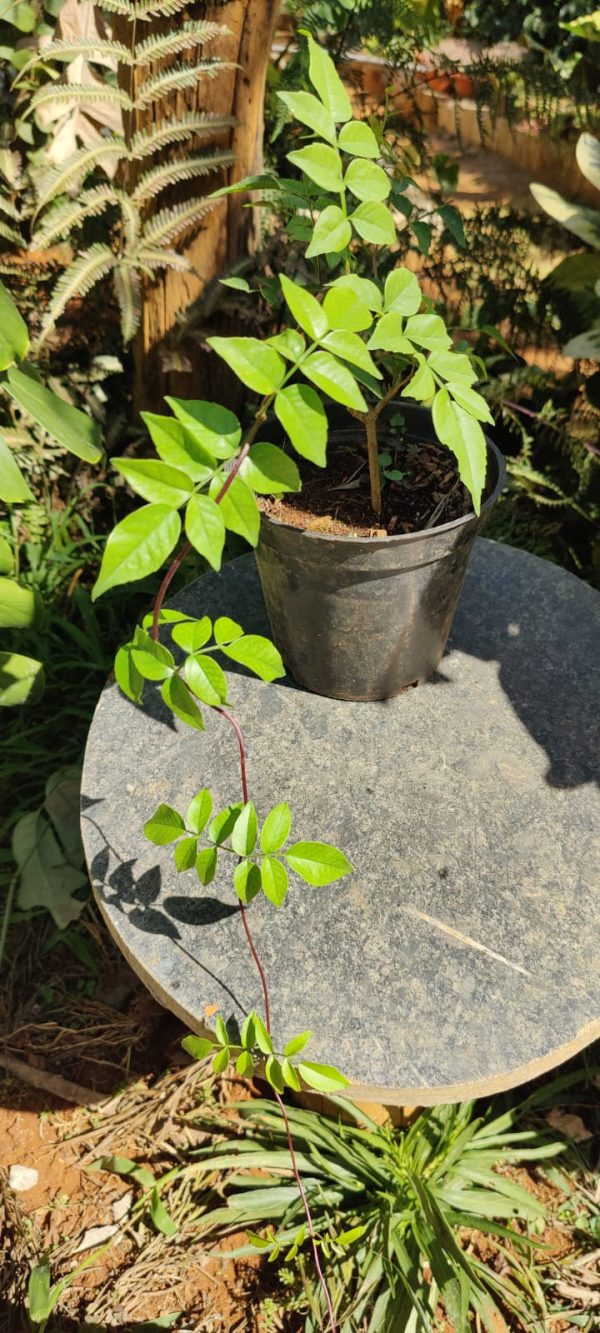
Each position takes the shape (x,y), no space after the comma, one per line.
(337,501)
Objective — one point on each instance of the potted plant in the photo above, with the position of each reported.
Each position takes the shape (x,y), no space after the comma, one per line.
(361,577)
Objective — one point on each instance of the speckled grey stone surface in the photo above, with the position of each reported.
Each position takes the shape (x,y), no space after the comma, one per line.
(462,955)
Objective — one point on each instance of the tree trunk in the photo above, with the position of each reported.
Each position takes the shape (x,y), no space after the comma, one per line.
(229,230)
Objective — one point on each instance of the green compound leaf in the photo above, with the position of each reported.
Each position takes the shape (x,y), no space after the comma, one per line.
(177,447)
(346,310)
(298,1043)
(239,509)
(307,108)
(402,293)
(164,826)
(72,428)
(256,364)
(197,1047)
(461,433)
(374,223)
(210,425)
(205,528)
(263,1039)
(246,881)
(206,865)
(199,811)
(351,348)
(471,401)
(303,417)
(14,337)
(185,854)
(223,824)
(428,331)
(258,655)
(290,343)
(152,659)
(138,546)
(290,1076)
(268,471)
(227,630)
(244,1065)
(178,698)
(221,1031)
(13,487)
(206,679)
(323,1078)
(327,83)
(307,311)
(155,481)
(317,863)
(248,1033)
(454,366)
(357,138)
(331,233)
(422,385)
(221,1060)
(273,1073)
(274,880)
(127,676)
(367,291)
(321,164)
(192,634)
(334,379)
(276,828)
(21,679)
(367,181)
(389,336)
(245,831)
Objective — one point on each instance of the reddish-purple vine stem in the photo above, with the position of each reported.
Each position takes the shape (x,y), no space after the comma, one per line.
(158,603)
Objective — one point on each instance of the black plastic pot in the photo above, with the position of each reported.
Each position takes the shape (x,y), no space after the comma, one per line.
(364,617)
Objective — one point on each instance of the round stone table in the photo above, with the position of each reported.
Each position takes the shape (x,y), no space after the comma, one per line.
(461,956)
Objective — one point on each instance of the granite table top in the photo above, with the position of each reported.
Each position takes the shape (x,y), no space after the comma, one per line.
(461,956)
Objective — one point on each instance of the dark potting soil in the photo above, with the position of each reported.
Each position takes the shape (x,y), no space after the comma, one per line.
(336,499)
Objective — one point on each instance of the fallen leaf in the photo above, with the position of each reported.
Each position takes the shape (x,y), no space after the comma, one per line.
(96,1236)
(121,1206)
(571,1125)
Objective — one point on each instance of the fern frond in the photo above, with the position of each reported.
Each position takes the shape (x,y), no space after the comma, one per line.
(173,43)
(11,168)
(156,180)
(88,47)
(120,7)
(169,223)
(9,209)
(10,234)
(128,291)
(203,124)
(150,9)
(71,172)
(65,216)
(150,258)
(83,94)
(130,216)
(89,268)
(175,80)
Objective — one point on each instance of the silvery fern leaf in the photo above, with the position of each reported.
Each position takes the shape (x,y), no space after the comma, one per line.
(170,223)
(128,291)
(150,258)
(156,180)
(120,7)
(199,125)
(130,217)
(83,94)
(150,9)
(91,48)
(70,213)
(173,43)
(175,80)
(9,209)
(8,233)
(71,172)
(11,168)
(89,269)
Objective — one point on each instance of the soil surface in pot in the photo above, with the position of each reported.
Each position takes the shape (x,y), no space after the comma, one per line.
(337,500)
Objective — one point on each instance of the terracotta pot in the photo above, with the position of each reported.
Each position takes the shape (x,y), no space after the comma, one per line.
(463,85)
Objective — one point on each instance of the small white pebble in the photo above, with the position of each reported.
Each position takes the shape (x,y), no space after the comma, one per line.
(95,1236)
(121,1206)
(21,1178)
